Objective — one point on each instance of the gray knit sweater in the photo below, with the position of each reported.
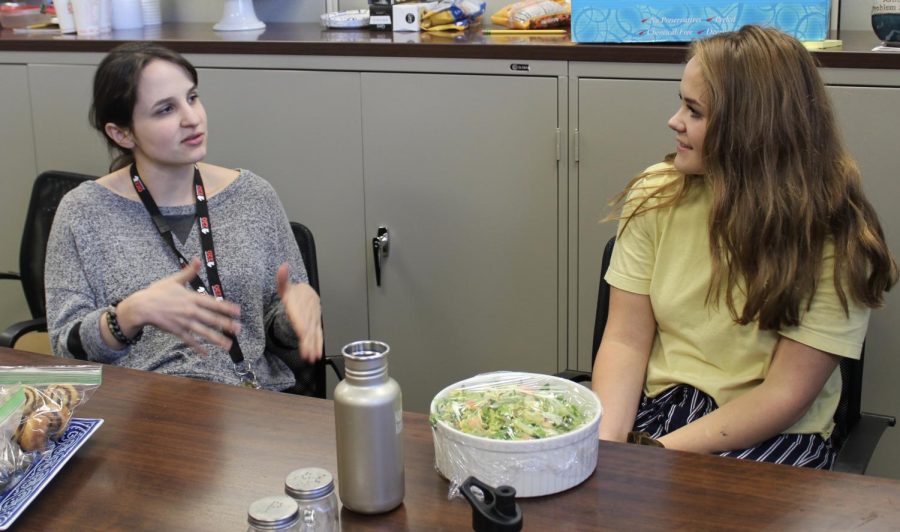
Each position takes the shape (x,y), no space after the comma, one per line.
(104,247)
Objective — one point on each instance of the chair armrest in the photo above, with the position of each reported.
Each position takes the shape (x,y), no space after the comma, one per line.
(10,275)
(337,364)
(860,444)
(574,375)
(11,335)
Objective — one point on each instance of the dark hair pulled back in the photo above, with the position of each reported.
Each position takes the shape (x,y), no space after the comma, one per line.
(116,89)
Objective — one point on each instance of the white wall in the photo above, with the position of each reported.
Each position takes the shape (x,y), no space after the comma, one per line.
(856,15)
(266,10)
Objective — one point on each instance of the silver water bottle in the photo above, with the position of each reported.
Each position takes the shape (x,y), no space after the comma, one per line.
(368,418)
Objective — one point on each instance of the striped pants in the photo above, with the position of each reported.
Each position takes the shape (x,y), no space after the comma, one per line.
(683,404)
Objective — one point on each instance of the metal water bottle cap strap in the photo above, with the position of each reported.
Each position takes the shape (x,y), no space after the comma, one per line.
(245,373)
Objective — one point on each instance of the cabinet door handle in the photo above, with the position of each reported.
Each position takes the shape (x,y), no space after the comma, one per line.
(380,250)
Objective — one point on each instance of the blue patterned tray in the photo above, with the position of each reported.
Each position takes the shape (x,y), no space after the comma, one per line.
(14,502)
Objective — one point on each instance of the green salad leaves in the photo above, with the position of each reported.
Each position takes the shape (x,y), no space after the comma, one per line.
(511,412)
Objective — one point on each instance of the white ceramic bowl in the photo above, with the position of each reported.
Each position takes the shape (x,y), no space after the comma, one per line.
(533,467)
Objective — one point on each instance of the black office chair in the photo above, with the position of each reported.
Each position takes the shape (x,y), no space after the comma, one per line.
(856,433)
(46,193)
(311,379)
(599,316)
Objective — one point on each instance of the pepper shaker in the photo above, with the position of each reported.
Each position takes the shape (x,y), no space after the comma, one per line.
(279,513)
(313,489)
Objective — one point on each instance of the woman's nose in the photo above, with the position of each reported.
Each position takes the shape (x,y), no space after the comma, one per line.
(675,124)
(190,116)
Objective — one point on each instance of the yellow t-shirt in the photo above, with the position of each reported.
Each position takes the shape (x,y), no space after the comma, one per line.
(664,253)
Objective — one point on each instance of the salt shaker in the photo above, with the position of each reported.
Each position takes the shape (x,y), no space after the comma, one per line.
(313,489)
(368,416)
(279,513)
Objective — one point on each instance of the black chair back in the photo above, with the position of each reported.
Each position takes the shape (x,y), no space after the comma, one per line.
(849,407)
(48,190)
(307,245)
(602,298)
(310,377)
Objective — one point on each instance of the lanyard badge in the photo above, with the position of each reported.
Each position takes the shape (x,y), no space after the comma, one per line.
(245,373)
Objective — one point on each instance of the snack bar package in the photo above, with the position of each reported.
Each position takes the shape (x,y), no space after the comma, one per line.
(534,15)
(455,15)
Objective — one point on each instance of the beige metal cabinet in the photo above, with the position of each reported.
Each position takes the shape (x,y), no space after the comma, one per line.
(64,139)
(302,132)
(868,120)
(462,170)
(621,131)
(18,171)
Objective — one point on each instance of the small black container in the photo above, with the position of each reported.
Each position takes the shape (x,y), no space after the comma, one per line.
(887,27)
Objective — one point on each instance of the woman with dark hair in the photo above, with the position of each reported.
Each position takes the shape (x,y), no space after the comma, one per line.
(123,282)
(745,265)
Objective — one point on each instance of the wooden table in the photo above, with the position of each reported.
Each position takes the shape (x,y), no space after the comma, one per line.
(178,454)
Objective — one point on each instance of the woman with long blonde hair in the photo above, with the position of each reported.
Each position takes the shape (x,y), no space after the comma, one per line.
(746,264)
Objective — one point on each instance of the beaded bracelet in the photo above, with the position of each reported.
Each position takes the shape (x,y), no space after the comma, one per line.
(113,322)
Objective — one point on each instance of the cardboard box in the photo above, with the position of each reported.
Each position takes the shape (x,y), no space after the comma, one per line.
(408,17)
(617,21)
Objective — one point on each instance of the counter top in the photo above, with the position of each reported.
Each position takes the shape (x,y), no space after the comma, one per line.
(311,39)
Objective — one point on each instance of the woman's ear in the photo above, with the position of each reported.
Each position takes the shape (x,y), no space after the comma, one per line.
(119,135)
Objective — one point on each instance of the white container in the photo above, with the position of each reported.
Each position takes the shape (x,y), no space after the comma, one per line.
(65,15)
(127,15)
(87,16)
(105,16)
(533,467)
(150,12)
(239,15)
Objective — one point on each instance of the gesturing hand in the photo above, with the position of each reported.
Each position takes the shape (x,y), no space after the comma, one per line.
(171,306)
(304,311)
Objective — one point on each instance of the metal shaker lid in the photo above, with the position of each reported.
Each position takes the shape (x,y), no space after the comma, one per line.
(309,483)
(273,513)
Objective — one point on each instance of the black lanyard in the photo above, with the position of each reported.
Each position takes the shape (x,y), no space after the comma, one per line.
(241,367)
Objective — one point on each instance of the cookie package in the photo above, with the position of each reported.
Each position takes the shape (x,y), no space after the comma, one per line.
(36,405)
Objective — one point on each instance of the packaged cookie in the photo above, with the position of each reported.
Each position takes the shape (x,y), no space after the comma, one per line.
(12,401)
(51,394)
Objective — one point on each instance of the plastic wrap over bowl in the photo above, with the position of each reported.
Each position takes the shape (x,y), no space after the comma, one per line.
(534,467)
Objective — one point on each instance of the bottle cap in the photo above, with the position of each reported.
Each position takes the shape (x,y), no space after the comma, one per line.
(309,483)
(496,510)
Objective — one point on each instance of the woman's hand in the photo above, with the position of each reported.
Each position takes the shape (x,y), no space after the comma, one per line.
(304,311)
(175,308)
